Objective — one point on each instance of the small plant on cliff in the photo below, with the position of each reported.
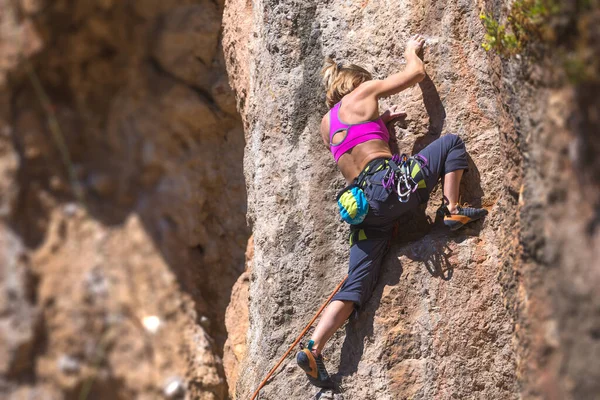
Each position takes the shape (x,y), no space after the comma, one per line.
(528,20)
(565,28)
(497,38)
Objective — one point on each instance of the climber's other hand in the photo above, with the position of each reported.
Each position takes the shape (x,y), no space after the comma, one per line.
(392,113)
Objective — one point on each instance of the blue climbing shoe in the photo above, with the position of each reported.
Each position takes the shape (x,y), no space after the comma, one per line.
(314,368)
(462,217)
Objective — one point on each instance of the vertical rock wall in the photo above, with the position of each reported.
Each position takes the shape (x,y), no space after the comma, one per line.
(436,326)
(122,199)
(556,271)
(122,206)
(470,314)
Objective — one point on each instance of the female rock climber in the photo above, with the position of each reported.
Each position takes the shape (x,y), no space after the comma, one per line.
(382,186)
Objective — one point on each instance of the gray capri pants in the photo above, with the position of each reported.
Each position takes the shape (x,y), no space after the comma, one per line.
(444,155)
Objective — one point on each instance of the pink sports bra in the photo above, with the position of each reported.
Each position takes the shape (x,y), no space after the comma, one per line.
(355,133)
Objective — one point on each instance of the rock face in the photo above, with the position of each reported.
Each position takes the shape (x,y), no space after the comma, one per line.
(502,309)
(557,269)
(122,206)
(122,199)
(236,322)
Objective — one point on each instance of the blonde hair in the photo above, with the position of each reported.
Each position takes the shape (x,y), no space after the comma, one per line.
(340,79)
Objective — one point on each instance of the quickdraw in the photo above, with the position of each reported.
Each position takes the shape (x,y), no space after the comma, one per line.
(406,175)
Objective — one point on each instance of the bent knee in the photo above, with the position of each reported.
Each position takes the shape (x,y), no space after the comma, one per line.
(454,139)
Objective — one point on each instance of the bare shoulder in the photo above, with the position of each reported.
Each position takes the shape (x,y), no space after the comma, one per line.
(324,130)
(361,104)
(370,90)
(367,88)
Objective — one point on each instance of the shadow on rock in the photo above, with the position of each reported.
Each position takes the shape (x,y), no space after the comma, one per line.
(470,185)
(435,110)
(361,325)
(434,250)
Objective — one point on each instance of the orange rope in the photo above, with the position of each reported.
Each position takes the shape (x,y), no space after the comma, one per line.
(264,381)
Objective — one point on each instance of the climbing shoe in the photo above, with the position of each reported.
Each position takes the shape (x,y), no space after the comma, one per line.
(314,368)
(463,216)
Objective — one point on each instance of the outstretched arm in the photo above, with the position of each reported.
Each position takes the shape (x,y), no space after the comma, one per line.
(412,74)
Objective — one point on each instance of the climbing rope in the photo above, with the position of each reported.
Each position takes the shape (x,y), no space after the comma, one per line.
(272,371)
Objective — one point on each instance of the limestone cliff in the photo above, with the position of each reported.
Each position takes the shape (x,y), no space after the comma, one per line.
(123,218)
(122,199)
(500,310)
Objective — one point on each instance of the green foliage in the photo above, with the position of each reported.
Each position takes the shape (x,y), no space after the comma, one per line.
(497,38)
(528,20)
(566,31)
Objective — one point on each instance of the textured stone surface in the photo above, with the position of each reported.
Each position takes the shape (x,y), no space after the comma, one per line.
(20,329)
(115,277)
(18,37)
(236,322)
(455,315)
(557,269)
(119,292)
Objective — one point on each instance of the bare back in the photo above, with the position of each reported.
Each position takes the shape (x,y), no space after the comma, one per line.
(356,108)
(362,105)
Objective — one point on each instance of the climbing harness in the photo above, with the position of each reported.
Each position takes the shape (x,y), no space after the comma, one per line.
(272,371)
(405,176)
(356,235)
